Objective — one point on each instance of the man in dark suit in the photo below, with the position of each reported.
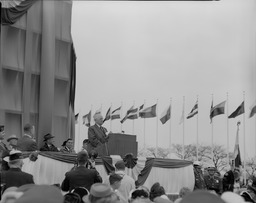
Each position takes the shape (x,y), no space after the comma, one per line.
(98,139)
(80,176)
(14,176)
(48,145)
(27,142)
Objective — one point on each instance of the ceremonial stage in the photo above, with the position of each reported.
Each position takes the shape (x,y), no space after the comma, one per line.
(173,174)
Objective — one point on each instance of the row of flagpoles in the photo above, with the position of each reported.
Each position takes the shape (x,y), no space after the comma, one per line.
(152,111)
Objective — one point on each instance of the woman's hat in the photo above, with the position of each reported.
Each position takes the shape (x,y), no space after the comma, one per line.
(12,137)
(100,190)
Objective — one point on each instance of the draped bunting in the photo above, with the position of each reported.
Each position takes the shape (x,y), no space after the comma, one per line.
(50,168)
(10,13)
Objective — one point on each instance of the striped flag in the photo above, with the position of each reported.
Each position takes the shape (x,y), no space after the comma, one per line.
(107,117)
(166,115)
(252,110)
(194,111)
(125,117)
(217,110)
(238,111)
(115,114)
(87,119)
(148,112)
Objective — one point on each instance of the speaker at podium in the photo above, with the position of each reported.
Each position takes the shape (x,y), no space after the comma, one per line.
(121,144)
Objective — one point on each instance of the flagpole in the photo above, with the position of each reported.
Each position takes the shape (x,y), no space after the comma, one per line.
(79,115)
(197,130)
(133,120)
(227,132)
(144,128)
(110,123)
(244,126)
(170,144)
(121,115)
(212,134)
(156,127)
(183,148)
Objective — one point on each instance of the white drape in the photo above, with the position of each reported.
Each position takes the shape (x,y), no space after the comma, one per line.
(49,171)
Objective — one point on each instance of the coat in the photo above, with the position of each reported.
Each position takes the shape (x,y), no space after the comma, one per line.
(51,148)
(26,144)
(80,177)
(98,140)
(228,181)
(15,177)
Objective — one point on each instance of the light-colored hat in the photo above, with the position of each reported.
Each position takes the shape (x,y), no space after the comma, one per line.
(14,155)
(197,163)
(100,190)
(12,137)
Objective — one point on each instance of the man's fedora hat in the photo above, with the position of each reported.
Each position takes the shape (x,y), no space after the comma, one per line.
(48,136)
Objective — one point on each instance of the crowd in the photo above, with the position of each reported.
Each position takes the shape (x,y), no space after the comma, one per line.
(84,184)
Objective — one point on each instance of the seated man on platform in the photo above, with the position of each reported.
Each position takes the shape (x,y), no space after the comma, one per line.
(80,176)
(12,142)
(98,139)
(27,142)
(48,145)
(14,176)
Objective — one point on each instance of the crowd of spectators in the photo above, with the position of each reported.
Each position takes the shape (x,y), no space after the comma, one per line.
(83,183)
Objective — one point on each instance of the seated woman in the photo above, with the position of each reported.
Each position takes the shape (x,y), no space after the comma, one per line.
(67,146)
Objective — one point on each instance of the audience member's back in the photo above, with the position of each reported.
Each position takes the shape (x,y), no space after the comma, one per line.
(127,183)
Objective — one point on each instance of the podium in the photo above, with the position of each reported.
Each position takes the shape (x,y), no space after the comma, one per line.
(121,144)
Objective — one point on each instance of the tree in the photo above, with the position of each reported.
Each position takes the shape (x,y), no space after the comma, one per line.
(219,160)
(251,167)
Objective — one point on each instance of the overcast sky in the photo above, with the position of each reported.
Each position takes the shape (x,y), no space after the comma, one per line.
(132,52)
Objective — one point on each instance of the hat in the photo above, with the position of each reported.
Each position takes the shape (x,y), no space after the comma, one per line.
(81,191)
(1,128)
(41,194)
(201,196)
(100,190)
(12,137)
(48,136)
(197,163)
(14,155)
(231,197)
(211,169)
(120,164)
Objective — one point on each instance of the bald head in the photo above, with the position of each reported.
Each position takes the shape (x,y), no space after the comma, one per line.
(98,118)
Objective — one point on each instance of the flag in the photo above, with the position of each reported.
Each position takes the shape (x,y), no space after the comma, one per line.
(107,117)
(87,119)
(134,113)
(125,117)
(11,11)
(148,112)
(194,111)
(253,110)
(115,114)
(166,115)
(237,155)
(238,111)
(217,110)
(76,118)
